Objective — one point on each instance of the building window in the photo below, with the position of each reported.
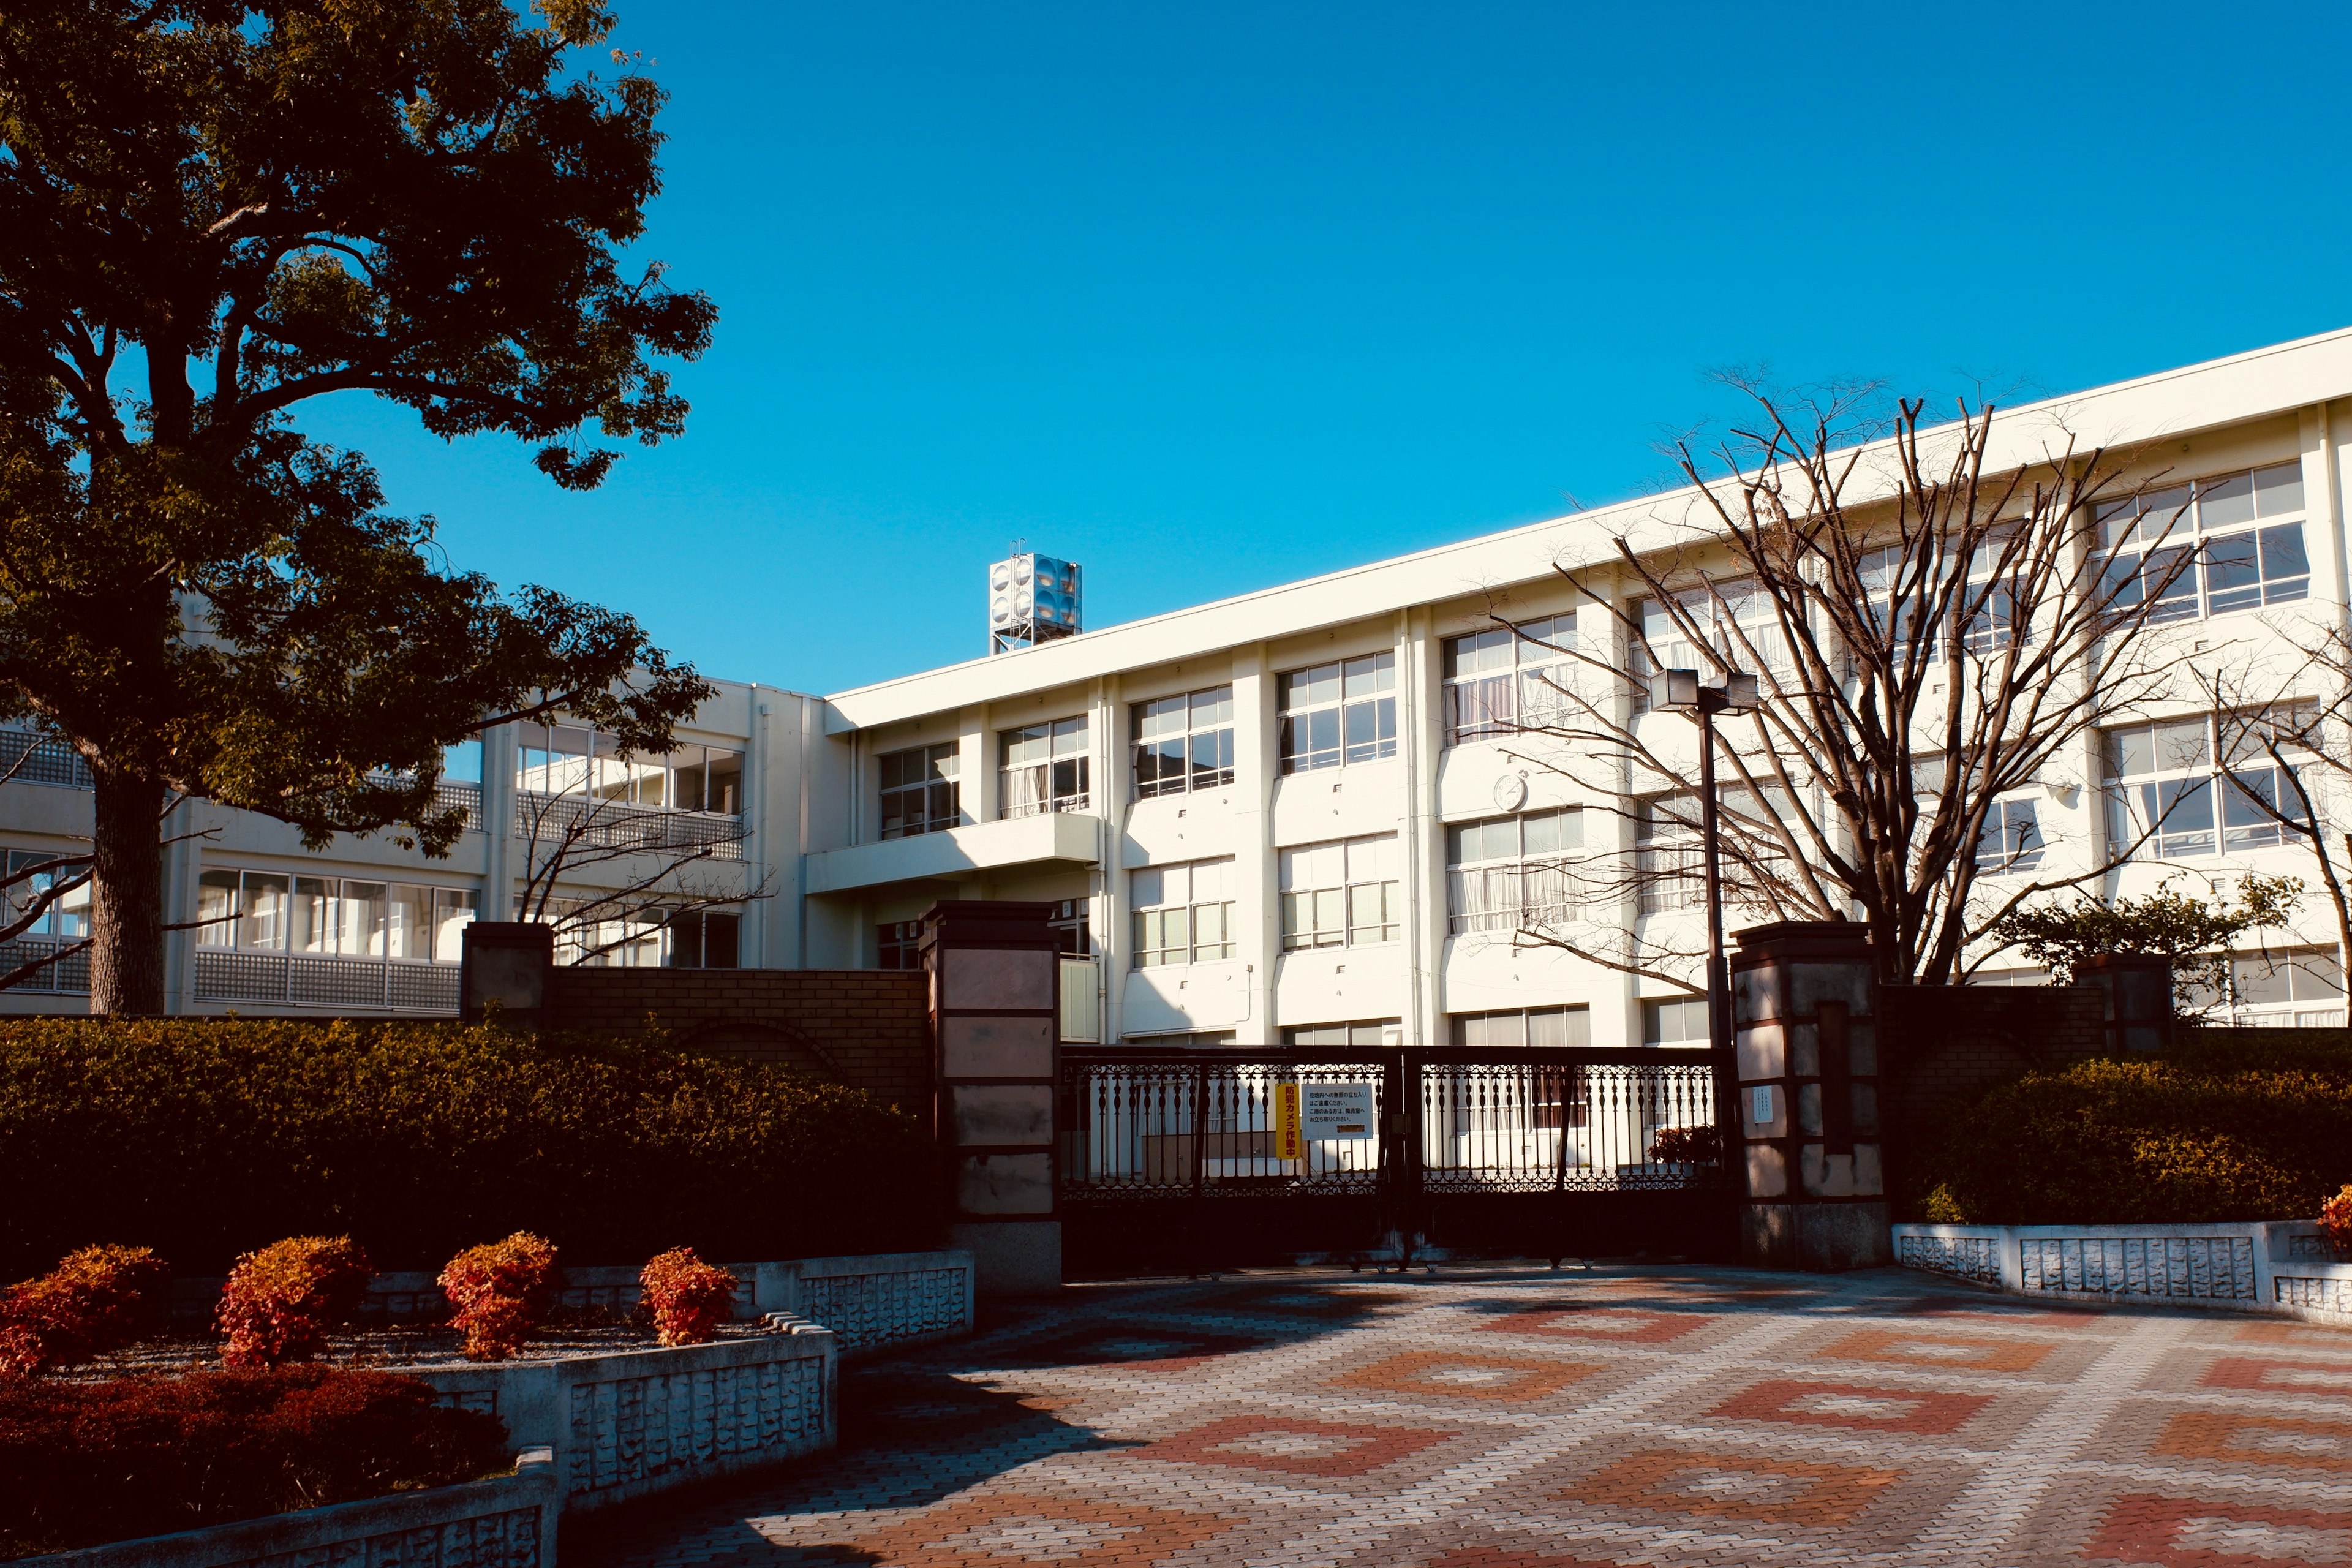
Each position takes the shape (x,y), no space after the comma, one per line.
(1506,679)
(2161,785)
(331,917)
(1045,768)
(900,944)
(1184,1041)
(1341,894)
(2234,542)
(1894,587)
(1677,1021)
(1073,923)
(68,918)
(920,792)
(1363,1032)
(2296,986)
(2011,841)
(1184,743)
(1524,1027)
(1739,625)
(565,760)
(705,939)
(2009,977)
(1340,712)
(1183,914)
(1506,873)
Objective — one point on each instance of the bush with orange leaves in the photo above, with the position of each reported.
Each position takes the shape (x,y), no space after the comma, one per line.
(688,1298)
(499,1291)
(95,1301)
(2335,1221)
(281,1301)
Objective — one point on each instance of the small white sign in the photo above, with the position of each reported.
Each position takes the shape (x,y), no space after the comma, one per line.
(1331,1112)
(1759,1106)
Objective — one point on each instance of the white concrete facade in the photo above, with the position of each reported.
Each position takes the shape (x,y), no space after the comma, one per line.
(825,780)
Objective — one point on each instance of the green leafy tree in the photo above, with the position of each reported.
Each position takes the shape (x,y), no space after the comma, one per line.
(213,212)
(2194,934)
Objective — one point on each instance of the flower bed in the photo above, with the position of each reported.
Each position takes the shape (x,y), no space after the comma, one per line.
(86,1462)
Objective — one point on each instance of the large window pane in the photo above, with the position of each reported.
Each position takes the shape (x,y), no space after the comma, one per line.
(264,922)
(217,900)
(313,916)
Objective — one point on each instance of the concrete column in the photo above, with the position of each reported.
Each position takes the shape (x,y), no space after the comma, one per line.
(756,816)
(1422,735)
(1804,1010)
(976,764)
(995,996)
(499,861)
(1257,901)
(181,864)
(1114,799)
(2322,487)
(1611,833)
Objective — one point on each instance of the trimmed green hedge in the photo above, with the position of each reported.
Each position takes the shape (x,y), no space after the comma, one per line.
(205,1138)
(2221,1128)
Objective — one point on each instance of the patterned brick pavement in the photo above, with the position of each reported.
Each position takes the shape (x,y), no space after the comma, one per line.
(1516,1420)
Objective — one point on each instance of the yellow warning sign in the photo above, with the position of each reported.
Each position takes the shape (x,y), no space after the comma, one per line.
(1287,1144)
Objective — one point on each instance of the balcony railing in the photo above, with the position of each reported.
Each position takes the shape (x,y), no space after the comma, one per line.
(66,976)
(42,760)
(377,983)
(611,825)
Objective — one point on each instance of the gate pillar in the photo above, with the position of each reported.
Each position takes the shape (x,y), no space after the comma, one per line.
(995,973)
(1804,1021)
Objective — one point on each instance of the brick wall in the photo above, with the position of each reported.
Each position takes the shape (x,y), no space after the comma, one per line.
(871,1028)
(1947,1044)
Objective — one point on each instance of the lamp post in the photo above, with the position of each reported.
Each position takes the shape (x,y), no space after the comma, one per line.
(1679,689)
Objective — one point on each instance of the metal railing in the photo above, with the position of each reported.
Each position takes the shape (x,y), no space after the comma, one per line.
(1202,1123)
(615,825)
(67,975)
(42,760)
(1530,1125)
(392,984)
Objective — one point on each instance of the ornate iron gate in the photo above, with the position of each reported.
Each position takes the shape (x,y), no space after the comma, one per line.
(1169,1159)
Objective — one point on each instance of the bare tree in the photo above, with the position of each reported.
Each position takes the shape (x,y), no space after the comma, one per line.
(604,873)
(1932,634)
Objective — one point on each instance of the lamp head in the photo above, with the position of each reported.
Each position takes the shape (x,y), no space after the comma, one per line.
(1674,688)
(1739,692)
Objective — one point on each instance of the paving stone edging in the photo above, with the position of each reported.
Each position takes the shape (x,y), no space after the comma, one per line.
(507,1521)
(2276,1267)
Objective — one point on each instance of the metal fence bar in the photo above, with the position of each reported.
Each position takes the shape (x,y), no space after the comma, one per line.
(1201,1125)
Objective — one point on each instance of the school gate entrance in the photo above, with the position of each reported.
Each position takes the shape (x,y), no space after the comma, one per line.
(1175,1161)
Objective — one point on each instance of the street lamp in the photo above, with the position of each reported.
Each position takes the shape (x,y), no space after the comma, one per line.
(1679,689)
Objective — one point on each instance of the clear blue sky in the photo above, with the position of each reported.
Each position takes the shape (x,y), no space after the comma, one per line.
(1212,297)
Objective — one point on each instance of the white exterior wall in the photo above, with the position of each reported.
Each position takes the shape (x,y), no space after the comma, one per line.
(812,779)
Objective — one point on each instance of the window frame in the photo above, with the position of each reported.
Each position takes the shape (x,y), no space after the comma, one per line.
(1518,871)
(2138,804)
(939,791)
(1352,744)
(1212,731)
(2177,526)
(1348,898)
(1067,774)
(1150,925)
(1504,696)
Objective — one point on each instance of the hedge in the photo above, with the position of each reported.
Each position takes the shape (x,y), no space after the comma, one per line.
(82,1463)
(2216,1129)
(206,1138)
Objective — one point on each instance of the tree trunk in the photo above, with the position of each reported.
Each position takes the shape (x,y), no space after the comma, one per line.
(126,899)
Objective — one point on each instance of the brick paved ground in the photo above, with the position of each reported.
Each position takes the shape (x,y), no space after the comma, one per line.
(1653,1417)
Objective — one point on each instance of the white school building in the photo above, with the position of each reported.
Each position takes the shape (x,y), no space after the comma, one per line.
(1284,817)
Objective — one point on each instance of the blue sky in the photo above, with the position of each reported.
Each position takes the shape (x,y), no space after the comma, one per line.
(1212,297)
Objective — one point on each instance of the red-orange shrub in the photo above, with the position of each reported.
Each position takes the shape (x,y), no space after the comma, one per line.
(499,1291)
(2335,1220)
(82,1463)
(281,1301)
(95,1301)
(688,1298)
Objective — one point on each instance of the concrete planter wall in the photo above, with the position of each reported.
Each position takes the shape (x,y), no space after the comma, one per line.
(2283,1267)
(507,1523)
(636,1422)
(873,1300)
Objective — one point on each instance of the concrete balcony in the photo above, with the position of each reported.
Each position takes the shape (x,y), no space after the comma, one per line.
(958,852)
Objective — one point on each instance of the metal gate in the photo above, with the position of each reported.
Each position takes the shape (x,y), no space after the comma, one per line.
(1169,1159)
